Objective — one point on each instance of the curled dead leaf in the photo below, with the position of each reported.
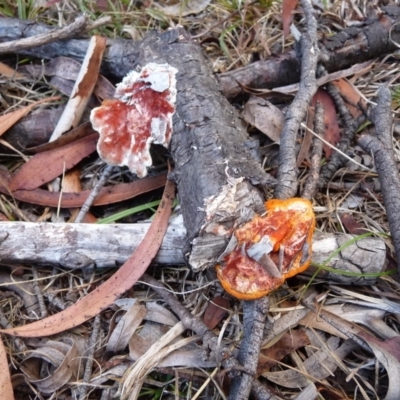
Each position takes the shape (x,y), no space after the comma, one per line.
(46,166)
(264,116)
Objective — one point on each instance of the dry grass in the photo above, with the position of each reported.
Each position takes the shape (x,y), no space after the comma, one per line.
(233,33)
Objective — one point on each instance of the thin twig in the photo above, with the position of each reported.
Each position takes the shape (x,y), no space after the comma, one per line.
(99,22)
(313,175)
(57,34)
(38,292)
(350,127)
(93,194)
(90,356)
(287,170)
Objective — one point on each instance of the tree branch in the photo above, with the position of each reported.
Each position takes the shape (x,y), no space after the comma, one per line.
(381,147)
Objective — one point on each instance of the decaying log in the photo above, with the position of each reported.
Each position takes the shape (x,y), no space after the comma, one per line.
(216,167)
(80,245)
(358,43)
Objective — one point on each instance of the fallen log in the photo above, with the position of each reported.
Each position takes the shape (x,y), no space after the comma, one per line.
(370,39)
(217,168)
(74,246)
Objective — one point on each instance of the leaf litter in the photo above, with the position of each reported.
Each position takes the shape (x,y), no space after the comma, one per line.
(302,346)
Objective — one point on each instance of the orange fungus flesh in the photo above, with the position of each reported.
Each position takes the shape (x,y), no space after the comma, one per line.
(282,238)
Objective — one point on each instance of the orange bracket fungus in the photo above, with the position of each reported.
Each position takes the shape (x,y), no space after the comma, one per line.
(140,114)
(268,249)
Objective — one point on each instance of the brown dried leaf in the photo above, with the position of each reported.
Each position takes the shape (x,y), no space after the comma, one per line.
(312,320)
(79,132)
(104,295)
(9,119)
(158,313)
(187,357)
(3,218)
(319,365)
(354,227)
(142,341)
(102,5)
(24,289)
(9,72)
(351,95)
(46,166)
(264,116)
(107,195)
(288,6)
(126,327)
(216,311)
(388,354)
(34,129)
(6,388)
(63,357)
(72,183)
(332,131)
(67,69)
(289,342)
(386,351)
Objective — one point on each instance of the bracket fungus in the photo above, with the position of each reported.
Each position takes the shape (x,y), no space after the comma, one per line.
(140,114)
(268,249)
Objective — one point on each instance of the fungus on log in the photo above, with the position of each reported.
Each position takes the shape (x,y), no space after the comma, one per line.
(140,114)
(268,249)
(217,168)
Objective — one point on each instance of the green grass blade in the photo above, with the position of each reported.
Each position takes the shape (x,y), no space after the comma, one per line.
(127,213)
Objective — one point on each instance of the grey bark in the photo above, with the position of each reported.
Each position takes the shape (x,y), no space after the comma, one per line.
(254,316)
(287,170)
(47,36)
(79,245)
(311,184)
(34,129)
(381,147)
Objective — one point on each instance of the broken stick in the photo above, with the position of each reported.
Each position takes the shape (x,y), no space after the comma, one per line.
(78,245)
